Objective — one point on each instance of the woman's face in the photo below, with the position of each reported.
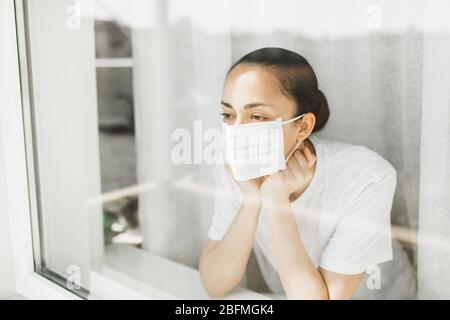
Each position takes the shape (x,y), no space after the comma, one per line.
(252,94)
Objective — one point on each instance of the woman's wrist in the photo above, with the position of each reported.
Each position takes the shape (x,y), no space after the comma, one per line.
(253,199)
(275,205)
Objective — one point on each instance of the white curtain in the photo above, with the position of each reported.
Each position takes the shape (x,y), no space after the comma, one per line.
(376,61)
(434,209)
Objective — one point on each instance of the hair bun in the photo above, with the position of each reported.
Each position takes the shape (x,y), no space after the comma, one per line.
(322,111)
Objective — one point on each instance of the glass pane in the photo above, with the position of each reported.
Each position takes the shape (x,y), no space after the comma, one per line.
(126,103)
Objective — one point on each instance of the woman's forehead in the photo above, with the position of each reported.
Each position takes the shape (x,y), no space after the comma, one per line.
(251,78)
(253,84)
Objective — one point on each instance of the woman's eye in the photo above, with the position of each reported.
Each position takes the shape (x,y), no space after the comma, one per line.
(257,117)
(226,116)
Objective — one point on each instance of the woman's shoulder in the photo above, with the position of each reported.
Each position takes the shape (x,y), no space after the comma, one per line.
(352,160)
(355,176)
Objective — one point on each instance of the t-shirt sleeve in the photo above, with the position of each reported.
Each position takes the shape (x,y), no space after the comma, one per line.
(362,236)
(226,204)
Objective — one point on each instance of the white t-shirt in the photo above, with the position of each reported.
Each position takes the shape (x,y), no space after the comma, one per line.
(343,216)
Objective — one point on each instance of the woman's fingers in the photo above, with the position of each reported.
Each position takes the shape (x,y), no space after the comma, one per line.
(293,166)
(301,160)
(310,157)
(289,174)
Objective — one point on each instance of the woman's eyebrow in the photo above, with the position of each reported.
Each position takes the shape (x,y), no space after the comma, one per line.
(247,106)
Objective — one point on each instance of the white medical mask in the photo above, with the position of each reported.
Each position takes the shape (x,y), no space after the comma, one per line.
(255,149)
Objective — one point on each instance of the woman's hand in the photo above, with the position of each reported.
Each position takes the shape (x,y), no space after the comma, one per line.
(250,188)
(279,186)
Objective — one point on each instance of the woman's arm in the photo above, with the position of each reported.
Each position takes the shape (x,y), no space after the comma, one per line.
(222,263)
(299,276)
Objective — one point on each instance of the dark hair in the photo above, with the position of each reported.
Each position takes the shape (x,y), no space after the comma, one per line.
(297,80)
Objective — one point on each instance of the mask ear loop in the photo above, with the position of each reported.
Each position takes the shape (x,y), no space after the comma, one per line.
(296,146)
(293,119)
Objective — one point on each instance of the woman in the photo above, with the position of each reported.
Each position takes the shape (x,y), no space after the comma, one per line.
(320,222)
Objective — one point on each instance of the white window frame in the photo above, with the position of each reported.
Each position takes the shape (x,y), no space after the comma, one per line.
(28,283)
(109,282)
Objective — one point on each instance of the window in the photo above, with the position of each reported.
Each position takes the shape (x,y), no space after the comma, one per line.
(106,84)
(102,109)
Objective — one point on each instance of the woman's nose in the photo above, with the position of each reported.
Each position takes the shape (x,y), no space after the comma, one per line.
(240,120)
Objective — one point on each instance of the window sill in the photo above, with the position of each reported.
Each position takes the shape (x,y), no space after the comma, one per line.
(130,273)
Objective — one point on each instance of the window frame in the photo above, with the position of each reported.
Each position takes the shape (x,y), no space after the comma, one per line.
(22,193)
(28,283)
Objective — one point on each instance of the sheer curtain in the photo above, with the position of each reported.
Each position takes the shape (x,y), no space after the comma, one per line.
(434,209)
(382,64)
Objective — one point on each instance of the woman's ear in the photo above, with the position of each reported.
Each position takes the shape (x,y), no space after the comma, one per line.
(306,126)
